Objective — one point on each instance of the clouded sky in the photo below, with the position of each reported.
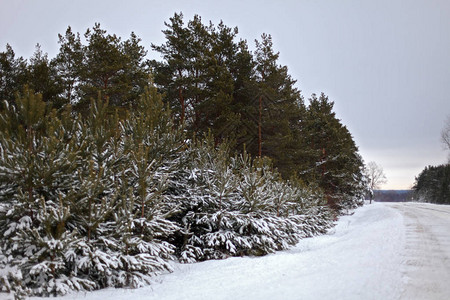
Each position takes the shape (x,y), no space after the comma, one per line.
(385,63)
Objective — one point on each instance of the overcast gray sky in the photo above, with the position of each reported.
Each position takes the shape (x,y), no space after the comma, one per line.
(385,63)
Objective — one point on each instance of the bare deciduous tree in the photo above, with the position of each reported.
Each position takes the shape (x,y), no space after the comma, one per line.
(445,134)
(376,177)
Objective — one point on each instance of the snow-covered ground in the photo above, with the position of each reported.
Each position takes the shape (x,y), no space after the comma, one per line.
(383,251)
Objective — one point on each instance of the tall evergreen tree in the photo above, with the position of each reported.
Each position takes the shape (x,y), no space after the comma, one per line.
(280,107)
(13,74)
(115,68)
(44,79)
(69,62)
(214,83)
(197,74)
(330,155)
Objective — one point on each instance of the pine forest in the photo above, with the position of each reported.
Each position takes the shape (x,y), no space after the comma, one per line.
(113,165)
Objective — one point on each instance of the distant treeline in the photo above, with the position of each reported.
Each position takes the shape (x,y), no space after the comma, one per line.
(433,185)
(393,195)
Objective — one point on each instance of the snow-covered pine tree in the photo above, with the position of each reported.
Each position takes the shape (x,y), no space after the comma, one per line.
(309,210)
(98,194)
(207,197)
(37,178)
(152,144)
(124,204)
(238,206)
(81,207)
(267,224)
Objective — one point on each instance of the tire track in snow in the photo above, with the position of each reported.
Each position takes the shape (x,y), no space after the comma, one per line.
(426,257)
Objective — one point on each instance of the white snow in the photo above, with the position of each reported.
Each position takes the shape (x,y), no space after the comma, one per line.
(426,255)
(364,257)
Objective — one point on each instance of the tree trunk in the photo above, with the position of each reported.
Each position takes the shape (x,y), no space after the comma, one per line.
(259,128)
(180,95)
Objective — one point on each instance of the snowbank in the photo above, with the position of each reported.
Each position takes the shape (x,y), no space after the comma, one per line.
(359,259)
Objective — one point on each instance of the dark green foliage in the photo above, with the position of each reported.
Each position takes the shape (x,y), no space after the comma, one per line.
(433,185)
(39,73)
(113,67)
(43,78)
(69,63)
(197,75)
(331,157)
(213,85)
(281,108)
(13,74)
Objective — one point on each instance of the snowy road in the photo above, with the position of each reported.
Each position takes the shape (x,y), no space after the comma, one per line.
(426,263)
(383,251)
